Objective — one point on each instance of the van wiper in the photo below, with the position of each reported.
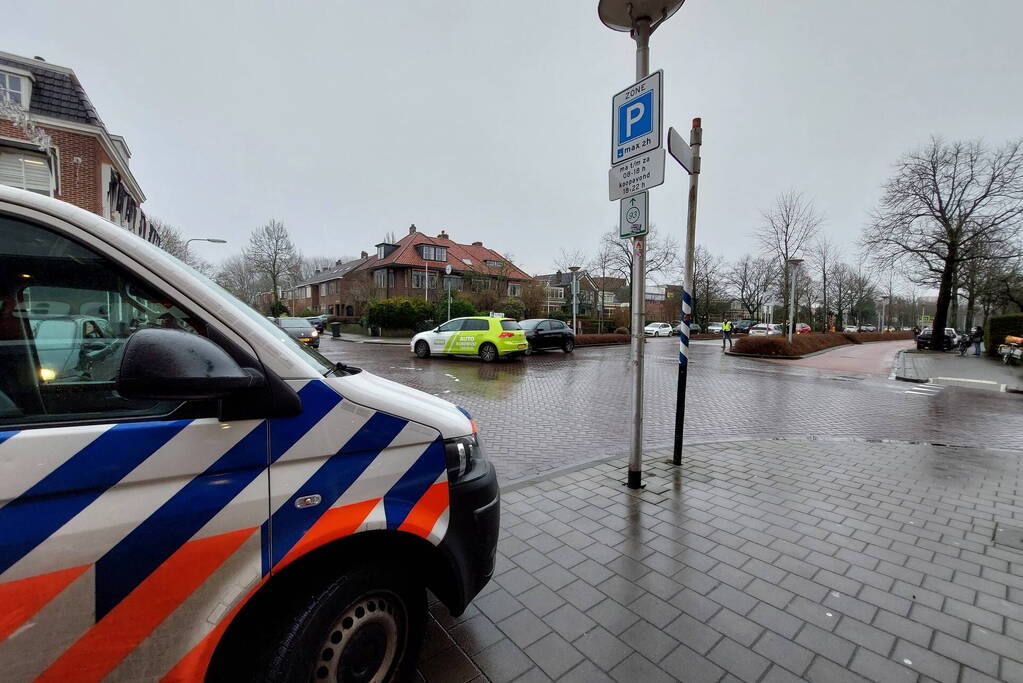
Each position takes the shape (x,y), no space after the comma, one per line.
(342,369)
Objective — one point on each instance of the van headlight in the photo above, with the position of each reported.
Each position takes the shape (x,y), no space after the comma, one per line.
(462,454)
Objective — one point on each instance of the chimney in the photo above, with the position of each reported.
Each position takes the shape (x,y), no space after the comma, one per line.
(443,235)
(364,255)
(412,229)
(477,244)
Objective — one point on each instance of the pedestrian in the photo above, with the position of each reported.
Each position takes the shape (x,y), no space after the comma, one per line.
(726,334)
(977,338)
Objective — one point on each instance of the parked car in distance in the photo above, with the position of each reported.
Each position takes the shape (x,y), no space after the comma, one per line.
(850,328)
(763,330)
(923,340)
(300,329)
(318,321)
(547,333)
(868,328)
(488,337)
(803,328)
(744,326)
(694,328)
(715,327)
(658,330)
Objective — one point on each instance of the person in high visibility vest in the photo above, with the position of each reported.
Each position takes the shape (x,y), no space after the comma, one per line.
(726,334)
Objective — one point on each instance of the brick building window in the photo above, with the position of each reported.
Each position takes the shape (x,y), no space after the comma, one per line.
(419,279)
(514,289)
(383,278)
(25,170)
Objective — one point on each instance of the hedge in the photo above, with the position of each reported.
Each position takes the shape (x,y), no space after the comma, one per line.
(998,326)
(592,339)
(400,313)
(802,344)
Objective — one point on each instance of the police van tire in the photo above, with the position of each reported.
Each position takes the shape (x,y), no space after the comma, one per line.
(422,349)
(370,619)
(488,352)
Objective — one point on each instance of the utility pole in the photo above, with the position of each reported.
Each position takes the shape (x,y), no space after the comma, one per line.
(575,297)
(690,160)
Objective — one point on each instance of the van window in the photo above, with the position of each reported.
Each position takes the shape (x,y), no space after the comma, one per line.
(65,317)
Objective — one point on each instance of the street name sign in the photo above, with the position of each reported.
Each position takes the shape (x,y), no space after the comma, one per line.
(634,212)
(636,119)
(636,175)
(680,149)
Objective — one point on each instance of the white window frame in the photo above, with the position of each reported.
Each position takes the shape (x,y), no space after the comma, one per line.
(25,83)
(417,279)
(514,289)
(23,181)
(492,263)
(380,251)
(557,293)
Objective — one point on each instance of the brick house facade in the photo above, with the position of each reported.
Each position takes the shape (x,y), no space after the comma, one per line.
(84,164)
(415,265)
(328,291)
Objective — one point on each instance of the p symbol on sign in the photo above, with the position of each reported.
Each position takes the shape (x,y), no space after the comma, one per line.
(633,115)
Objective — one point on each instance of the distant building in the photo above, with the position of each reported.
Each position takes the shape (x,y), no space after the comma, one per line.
(83,163)
(328,291)
(415,265)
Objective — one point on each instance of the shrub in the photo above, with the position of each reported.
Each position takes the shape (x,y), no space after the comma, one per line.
(512,308)
(460,308)
(591,339)
(307,313)
(622,330)
(278,309)
(399,313)
(803,344)
(998,326)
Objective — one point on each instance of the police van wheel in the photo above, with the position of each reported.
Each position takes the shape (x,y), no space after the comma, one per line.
(422,349)
(366,627)
(488,353)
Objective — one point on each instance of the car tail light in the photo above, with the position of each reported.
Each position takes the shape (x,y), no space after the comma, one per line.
(505,335)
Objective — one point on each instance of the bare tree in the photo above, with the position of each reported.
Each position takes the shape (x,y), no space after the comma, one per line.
(752,279)
(787,228)
(662,255)
(272,254)
(946,205)
(175,244)
(602,267)
(237,276)
(708,283)
(822,255)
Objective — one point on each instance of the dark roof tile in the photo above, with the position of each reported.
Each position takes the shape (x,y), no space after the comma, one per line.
(56,93)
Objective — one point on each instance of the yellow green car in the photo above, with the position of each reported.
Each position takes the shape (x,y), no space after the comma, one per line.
(488,338)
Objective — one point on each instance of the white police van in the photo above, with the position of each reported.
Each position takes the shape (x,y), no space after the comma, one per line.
(186,492)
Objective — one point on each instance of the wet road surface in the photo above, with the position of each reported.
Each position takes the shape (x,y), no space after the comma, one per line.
(554,410)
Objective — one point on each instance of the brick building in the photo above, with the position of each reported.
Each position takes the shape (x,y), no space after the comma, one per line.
(329,291)
(415,265)
(52,141)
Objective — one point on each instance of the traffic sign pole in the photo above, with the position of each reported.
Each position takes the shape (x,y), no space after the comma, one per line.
(641,33)
(689,157)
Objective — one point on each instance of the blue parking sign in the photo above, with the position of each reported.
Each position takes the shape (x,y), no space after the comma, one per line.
(635,117)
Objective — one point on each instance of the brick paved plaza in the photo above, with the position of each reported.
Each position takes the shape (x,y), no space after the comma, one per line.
(814,532)
(765,561)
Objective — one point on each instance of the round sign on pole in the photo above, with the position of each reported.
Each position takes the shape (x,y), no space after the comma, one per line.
(447,269)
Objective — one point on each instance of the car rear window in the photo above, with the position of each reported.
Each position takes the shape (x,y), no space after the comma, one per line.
(294,323)
(510,325)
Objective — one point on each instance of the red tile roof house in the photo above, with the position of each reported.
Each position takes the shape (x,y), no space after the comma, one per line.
(414,267)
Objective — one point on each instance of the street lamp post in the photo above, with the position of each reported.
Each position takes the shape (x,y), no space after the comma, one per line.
(214,240)
(884,306)
(640,18)
(795,263)
(575,296)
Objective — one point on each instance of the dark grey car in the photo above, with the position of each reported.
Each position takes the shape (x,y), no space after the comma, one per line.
(300,329)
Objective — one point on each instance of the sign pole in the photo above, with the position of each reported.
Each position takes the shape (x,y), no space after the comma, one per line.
(641,34)
(688,286)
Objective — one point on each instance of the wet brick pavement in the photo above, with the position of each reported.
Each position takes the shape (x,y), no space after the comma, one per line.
(757,561)
(554,410)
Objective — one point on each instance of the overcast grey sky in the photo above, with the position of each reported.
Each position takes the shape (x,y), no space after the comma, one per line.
(491,120)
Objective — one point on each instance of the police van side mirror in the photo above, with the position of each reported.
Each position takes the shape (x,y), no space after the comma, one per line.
(163,364)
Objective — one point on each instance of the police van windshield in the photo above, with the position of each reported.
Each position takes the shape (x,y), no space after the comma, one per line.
(315,359)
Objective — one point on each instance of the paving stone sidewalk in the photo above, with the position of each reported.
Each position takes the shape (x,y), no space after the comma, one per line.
(758,561)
